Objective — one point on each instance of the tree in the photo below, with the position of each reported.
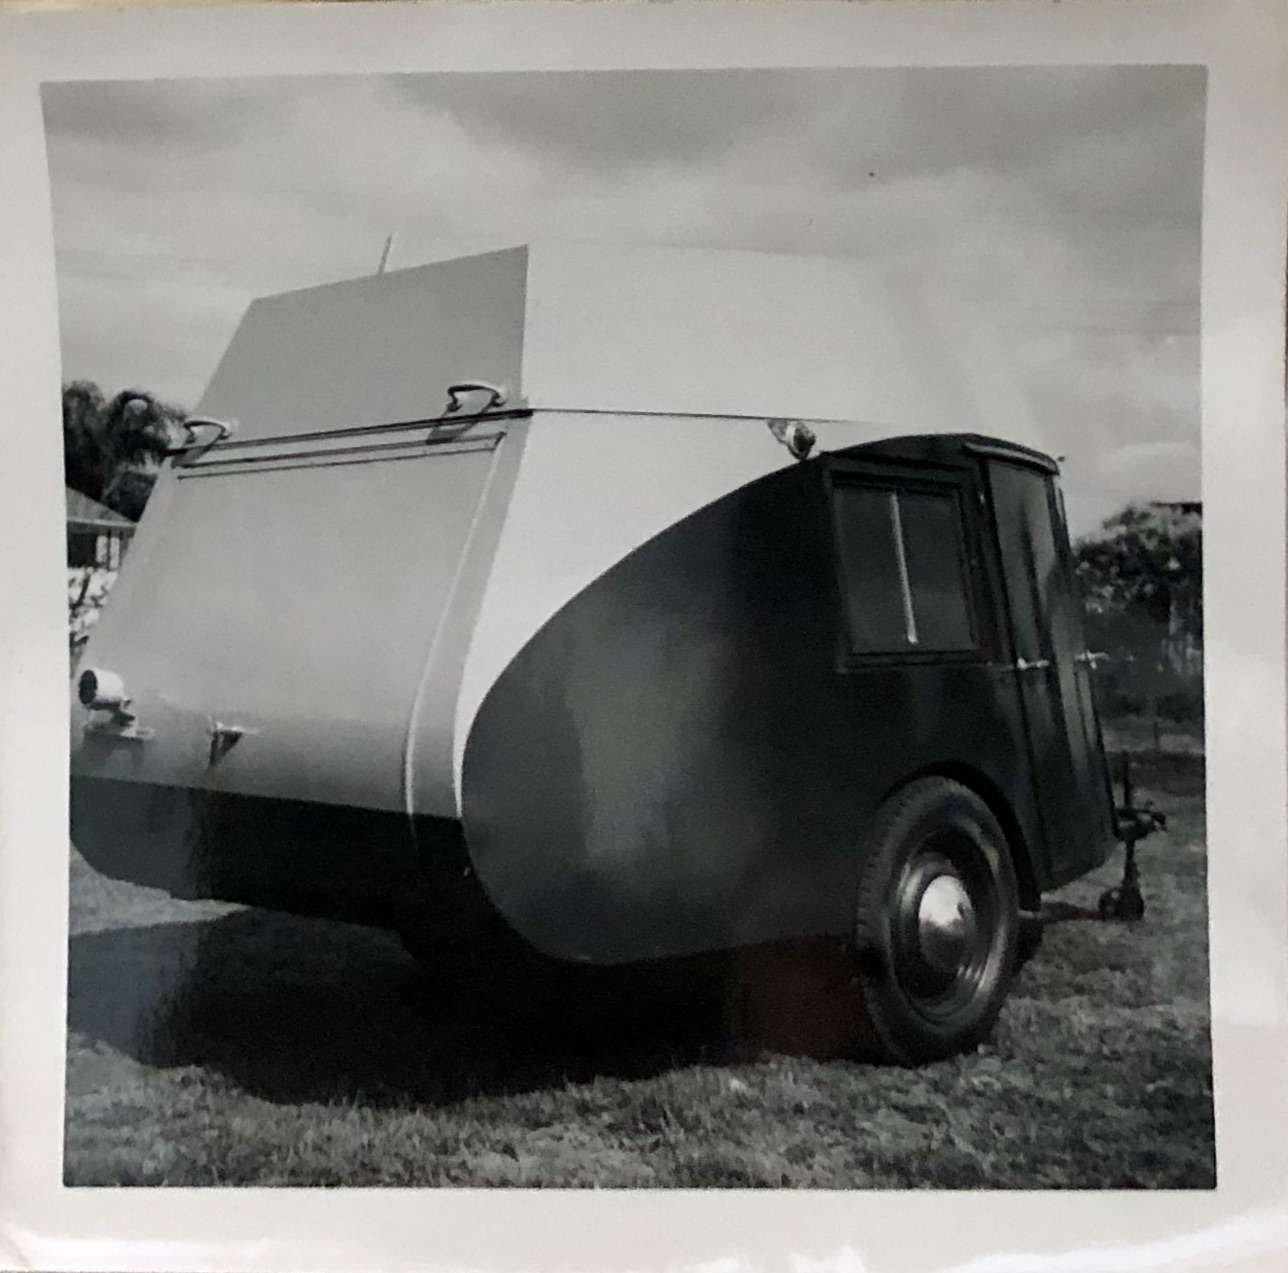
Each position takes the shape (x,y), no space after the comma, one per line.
(1142,576)
(111,447)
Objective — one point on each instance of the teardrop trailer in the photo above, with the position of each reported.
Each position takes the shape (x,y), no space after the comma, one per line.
(514,586)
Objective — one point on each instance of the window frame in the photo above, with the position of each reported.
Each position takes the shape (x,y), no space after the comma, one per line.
(899,478)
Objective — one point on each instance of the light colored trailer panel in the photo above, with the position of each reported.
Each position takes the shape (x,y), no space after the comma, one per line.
(589,490)
(351,608)
(371,351)
(309,633)
(608,329)
(757,334)
(740,333)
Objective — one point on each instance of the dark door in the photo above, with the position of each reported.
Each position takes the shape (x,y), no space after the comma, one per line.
(1049,662)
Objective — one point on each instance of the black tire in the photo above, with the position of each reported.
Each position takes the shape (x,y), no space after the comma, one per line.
(1032,930)
(937,922)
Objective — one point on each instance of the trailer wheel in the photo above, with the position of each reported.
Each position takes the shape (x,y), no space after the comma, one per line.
(937,922)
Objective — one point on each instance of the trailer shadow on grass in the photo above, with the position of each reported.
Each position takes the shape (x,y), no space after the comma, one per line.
(294,1010)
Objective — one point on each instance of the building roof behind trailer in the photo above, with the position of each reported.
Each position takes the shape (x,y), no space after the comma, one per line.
(621,330)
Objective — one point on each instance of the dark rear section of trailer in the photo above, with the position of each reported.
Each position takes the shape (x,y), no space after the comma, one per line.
(687,756)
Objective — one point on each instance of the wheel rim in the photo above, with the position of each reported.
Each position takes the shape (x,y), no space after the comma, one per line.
(946,927)
(945,924)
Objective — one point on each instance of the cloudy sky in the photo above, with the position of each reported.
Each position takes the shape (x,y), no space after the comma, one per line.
(1064,202)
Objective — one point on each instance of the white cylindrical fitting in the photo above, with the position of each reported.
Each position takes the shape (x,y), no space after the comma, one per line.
(100,689)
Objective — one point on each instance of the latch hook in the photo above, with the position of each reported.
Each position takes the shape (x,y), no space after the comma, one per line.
(497,396)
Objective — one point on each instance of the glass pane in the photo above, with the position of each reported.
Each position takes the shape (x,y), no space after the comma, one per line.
(870,564)
(932,540)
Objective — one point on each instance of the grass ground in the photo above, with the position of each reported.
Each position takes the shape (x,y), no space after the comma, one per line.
(216,1045)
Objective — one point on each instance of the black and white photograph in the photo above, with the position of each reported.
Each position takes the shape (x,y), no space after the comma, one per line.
(644,638)
(636,629)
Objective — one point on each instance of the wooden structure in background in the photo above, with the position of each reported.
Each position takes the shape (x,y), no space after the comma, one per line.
(96,536)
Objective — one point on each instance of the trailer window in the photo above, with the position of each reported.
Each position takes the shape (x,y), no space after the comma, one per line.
(903,564)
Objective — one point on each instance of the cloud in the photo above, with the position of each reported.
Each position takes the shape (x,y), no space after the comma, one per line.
(886,122)
(1064,202)
(1132,474)
(149,117)
(616,121)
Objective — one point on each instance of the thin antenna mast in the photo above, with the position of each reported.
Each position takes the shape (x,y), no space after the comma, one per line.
(384,256)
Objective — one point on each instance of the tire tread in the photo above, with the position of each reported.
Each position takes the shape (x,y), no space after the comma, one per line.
(888,1025)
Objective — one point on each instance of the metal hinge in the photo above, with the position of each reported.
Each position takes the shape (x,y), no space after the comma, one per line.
(120,729)
(223,738)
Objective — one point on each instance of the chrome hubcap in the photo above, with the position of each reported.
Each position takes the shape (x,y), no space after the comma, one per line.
(946,927)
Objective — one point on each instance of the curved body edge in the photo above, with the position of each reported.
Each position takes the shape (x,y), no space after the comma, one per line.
(682,758)
(632,729)
(588,661)
(367,866)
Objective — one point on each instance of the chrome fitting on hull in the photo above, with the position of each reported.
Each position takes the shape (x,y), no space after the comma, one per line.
(102,691)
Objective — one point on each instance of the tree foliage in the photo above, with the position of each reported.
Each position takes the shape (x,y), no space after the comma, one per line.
(111,446)
(1142,577)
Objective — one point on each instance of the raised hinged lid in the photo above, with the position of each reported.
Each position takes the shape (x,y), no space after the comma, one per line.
(619,330)
(376,350)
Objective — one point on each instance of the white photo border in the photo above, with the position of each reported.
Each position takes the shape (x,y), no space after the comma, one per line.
(1241,1224)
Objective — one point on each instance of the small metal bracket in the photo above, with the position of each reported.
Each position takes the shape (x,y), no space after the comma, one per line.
(194,447)
(497,395)
(127,734)
(120,726)
(223,738)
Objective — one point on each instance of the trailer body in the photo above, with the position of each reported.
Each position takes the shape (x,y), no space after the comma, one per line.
(594,653)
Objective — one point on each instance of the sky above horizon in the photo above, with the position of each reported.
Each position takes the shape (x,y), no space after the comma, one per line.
(1064,203)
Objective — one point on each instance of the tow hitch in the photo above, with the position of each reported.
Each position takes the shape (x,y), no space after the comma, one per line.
(1134,823)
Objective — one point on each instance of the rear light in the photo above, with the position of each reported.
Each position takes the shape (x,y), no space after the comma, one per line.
(795,435)
(104,691)
(101,690)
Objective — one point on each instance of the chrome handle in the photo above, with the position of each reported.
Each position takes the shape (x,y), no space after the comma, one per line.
(1036,665)
(223,428)
(497,395)
(1091,657)
(193,447)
